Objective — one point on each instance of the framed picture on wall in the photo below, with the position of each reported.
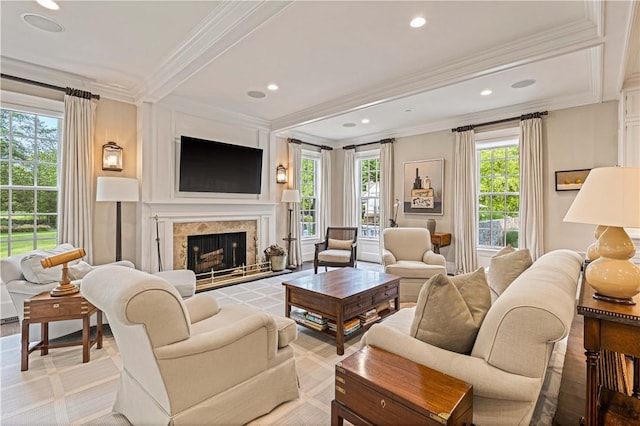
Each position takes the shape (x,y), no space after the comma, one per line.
(423,186)
(570,180)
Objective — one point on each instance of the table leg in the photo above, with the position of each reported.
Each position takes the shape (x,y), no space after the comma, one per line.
(592,387)
(24,362)
(336,419)
(636,377)
(99,327)
(340,330)
(287,305)
(44,330)
(86,337)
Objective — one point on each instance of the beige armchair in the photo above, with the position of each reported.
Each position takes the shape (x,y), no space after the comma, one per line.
(407,253)
(191,361)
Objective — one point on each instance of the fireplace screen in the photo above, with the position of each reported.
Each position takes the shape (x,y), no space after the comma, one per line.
(215,252)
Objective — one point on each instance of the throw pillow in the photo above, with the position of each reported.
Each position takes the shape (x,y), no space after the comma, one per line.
(339,244)
(505,250)
(33,270)
(449,311)
(504,269)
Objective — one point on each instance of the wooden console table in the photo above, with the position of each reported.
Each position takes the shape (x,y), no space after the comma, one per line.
(44,308)
(440,239)
(614,327)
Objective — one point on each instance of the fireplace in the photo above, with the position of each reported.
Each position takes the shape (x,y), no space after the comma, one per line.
(215,252)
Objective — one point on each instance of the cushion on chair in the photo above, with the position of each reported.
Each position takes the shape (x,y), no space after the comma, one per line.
(505,268)
(287,331)
(449,311)
(340,256)
(339,244)
(184,280)
(413,269)
(33,270)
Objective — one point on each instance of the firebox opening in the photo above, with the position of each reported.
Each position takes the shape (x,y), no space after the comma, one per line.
(214,252)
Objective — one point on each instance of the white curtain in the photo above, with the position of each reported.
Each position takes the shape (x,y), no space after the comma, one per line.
(295,167)
(76,178)
(349,205)
(465,203)
(386,185)
(531,189)
(324,215)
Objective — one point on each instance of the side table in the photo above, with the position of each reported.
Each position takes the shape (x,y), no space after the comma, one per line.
(376,387)
(617,328)
(440,239)
(44,308)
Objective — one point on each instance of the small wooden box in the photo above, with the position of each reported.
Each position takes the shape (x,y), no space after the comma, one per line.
(44,307)
(373,386)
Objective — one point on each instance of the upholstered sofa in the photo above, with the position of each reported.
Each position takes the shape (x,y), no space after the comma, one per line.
(509,359)
(36,281)
(190,361)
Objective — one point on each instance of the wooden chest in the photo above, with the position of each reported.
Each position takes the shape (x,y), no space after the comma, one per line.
(45,307)
(376,387)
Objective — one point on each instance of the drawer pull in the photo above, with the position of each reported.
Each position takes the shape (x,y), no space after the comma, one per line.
(383,403)
(56,305)
(339,389)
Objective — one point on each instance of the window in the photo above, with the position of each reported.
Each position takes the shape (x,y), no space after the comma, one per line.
(309,195)
(369,178)
(28,181)
(498,192)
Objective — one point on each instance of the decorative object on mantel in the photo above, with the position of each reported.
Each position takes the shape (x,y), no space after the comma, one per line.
(281,174)
(431,226)
(112,157)
(291,196)
(117,189)
(571,180)
(393,223)
(423,186)
(610,196)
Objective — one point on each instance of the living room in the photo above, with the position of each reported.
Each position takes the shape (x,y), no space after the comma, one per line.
(583,55)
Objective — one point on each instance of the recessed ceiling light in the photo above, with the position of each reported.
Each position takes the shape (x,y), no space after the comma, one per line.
(523,83)
(417,22)
(349,125)
(256,94)
(486,92)
(42,23)
(365,121)
(273,86)
(408,110)
(49,4)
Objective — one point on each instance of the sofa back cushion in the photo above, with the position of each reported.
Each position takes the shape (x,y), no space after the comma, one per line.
(449,311)
(407,243)
(33,270)
(518,332)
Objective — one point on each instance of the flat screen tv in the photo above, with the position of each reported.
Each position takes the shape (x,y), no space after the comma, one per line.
(209,166)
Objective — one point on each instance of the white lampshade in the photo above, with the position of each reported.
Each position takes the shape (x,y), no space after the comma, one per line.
(117,189)
(290,196)
(610,196)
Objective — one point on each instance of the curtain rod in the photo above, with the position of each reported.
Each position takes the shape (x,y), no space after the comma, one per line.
(299,142)
(504,120)
(46,85)
(389,140)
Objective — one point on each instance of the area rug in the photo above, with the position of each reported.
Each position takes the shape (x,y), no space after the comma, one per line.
(59,390)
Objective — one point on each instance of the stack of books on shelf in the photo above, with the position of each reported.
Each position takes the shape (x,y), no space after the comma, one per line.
(315,321)
(298,315)
(350,325)
(369,317)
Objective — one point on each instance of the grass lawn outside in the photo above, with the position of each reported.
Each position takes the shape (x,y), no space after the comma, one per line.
(22,242)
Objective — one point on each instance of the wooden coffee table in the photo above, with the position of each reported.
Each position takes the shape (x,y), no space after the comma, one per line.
(340,295)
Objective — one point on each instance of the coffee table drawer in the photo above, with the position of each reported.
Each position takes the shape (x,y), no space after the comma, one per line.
(311,302)
(356,307)
(390,292)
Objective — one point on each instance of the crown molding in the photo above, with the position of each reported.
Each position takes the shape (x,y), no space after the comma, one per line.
(595,57)
(565,39)
(226,25)
(630,47)
(306,137)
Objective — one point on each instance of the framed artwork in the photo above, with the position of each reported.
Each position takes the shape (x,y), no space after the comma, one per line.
(570,180)
(423,186)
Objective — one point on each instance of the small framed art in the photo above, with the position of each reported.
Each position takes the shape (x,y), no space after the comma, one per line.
(570,180)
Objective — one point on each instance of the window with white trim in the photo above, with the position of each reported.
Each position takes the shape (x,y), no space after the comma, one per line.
(368,163)
(498,183)
(29,162)
(309,194)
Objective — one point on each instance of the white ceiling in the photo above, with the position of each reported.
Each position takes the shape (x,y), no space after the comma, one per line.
(335,62)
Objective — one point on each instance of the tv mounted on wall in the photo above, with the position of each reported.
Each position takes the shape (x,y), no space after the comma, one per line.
(210,166)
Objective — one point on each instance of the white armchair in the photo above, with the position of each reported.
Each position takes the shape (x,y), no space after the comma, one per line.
(192,362)
(407,253)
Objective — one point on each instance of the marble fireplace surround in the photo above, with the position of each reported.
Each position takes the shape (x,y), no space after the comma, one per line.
(186,229)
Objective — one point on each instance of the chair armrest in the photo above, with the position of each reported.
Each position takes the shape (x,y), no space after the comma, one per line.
(432,258)
(487,381)
(124,263)
(322,245)
(388,258)
(225,336)
(201,306)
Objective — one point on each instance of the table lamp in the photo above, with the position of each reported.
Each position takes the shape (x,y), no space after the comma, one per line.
(117,189)
(610,197)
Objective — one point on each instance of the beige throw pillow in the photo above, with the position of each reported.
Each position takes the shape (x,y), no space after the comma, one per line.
(505,268)
(450,310)
(33,270)
(339,244)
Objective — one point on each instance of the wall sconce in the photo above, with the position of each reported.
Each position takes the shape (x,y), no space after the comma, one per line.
(281,174)
(112,157)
